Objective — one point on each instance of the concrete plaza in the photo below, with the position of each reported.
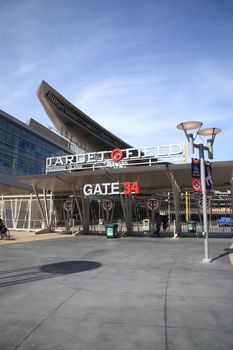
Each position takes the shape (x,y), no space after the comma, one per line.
(92,292)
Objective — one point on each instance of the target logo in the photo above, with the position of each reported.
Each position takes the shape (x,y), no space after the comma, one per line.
(116,154)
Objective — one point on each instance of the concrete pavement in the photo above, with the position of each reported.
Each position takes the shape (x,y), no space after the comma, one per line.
(29,236)
(90,292)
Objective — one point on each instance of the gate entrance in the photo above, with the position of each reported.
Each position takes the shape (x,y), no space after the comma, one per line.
(132,213)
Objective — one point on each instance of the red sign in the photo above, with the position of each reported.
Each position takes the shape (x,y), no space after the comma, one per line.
(116,154)
(130,187)
(196,185)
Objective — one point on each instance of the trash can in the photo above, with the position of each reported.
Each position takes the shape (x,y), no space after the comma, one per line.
(146,225)
(192,226)
(111,230)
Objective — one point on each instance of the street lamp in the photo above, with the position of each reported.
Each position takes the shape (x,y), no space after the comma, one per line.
(212,132)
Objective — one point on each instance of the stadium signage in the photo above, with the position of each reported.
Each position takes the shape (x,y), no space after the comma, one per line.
(112,188)
(117,158)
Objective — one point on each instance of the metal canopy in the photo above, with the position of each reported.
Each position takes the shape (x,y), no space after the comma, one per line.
(75,124)
(151,179)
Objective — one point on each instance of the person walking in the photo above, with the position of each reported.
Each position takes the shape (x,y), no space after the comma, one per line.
(165,222)
(158,224)
(3,228)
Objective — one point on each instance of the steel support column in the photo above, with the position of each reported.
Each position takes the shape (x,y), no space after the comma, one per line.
(176,199)
(84,210)
(126,203)
(40,206)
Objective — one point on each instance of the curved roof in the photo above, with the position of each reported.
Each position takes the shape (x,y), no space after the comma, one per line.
(76,125)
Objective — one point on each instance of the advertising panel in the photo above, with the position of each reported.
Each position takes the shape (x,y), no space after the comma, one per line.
(208,176)
(196,176)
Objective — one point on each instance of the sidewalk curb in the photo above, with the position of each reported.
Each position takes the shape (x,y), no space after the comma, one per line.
(231,254)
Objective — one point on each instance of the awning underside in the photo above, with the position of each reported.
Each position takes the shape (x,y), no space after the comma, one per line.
(151,179)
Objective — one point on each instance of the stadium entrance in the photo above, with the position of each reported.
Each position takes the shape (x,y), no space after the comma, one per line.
(136,214)
(130,187)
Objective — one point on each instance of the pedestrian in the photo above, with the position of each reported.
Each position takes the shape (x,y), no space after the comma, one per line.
(2,227)
(165,223)
(158,224)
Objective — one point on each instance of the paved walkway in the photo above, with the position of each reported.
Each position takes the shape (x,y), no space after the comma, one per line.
(25,236)
(90,292)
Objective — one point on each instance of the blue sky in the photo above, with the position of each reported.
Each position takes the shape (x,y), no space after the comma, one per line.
(136,67)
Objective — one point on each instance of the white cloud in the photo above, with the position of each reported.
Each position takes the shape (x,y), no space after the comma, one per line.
(24,69)
(146,109)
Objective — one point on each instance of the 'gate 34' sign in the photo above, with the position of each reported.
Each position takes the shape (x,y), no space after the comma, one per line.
(111,188)
(117,158)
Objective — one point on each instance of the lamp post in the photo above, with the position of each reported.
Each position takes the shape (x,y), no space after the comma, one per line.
(212,132)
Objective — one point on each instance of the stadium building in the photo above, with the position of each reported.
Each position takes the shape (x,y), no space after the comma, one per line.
(83,176)
(23,150)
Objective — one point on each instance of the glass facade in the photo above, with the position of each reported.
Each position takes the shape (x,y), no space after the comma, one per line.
(23,152)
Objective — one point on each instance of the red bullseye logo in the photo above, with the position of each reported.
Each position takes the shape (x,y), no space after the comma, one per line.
(116,154)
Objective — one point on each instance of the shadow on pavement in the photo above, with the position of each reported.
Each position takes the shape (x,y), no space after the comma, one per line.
(37,273)
(227,252)
(66,267)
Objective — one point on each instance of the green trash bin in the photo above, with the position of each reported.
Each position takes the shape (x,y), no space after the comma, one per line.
(192,226)
(111,230)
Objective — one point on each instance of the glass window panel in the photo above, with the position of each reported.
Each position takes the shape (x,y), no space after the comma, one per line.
(3,124)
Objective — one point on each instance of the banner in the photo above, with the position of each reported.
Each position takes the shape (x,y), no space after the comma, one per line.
(208,177)
(196,176)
